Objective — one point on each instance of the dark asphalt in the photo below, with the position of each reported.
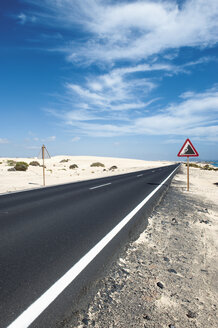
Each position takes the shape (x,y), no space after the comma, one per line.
(45,232)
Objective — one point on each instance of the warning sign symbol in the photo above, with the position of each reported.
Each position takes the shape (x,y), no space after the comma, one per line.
(188,150)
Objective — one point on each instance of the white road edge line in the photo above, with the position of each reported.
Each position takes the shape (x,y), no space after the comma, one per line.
(106,184)
(35,309)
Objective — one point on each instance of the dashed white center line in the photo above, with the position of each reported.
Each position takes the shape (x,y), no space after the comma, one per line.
(140,175)
(152,171)
(106,184)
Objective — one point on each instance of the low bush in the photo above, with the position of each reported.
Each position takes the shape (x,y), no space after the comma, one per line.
(0,162)
(114,167)
(73,166)
(21,166)
(206,167)
(12,169)
(11,162)
(194,165)
(34,163)
(64,160)
(97,164)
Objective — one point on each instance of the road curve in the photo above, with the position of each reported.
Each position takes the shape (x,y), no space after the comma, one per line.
(47,232)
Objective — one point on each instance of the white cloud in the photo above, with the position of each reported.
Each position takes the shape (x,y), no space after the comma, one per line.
(119,89)
(195,115)
(22,18)
(4,141)
(73,116)
(130,30)
(116,102)
(80,115)
(52,138)
(33,147)
(85,93)
(139,29)
(75,139)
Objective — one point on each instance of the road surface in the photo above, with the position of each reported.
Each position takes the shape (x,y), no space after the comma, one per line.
(49,236)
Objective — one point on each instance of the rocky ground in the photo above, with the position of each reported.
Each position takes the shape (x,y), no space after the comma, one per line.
(168,277)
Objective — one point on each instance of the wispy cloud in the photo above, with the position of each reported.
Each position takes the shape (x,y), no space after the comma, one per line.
(120,90)
(75,139)
(37,139)
(33,147)
(195,115)
(4,141)
(23,18)
(129,30)
(133,44)
(52,138)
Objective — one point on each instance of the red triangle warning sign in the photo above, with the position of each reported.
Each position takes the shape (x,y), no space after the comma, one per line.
(188,150)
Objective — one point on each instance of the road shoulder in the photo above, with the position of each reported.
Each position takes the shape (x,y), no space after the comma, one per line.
(167,278)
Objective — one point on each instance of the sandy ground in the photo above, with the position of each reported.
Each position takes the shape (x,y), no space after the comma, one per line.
(168,277)
(57,172)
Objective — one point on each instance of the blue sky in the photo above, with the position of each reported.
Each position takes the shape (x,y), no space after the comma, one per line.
(110,78)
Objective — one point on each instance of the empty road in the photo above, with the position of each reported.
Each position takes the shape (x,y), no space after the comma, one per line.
(51,237)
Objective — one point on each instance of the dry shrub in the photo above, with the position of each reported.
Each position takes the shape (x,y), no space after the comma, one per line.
(97,164)
(34,163)
(73,166)
(114,167)
(21,166)
(11,162)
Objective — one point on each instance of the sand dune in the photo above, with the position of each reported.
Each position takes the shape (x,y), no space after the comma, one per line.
(58,173)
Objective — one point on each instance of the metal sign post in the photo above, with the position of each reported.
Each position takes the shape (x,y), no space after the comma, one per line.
(187,173)
(43,154)
(43,163)
(188,150)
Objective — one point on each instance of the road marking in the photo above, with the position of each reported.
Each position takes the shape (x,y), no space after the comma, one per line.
(152,171)
(35,309)
(106,184)
(140,175)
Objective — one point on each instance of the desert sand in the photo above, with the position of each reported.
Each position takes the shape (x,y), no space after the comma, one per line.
(167,277)
(58,173)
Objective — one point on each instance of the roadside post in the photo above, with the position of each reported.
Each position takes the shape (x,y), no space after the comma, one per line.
(188,150)
(43,154)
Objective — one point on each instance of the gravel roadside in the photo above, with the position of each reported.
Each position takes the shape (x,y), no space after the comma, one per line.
(168,277)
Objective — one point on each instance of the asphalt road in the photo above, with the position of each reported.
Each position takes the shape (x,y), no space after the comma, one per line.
(45,232)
